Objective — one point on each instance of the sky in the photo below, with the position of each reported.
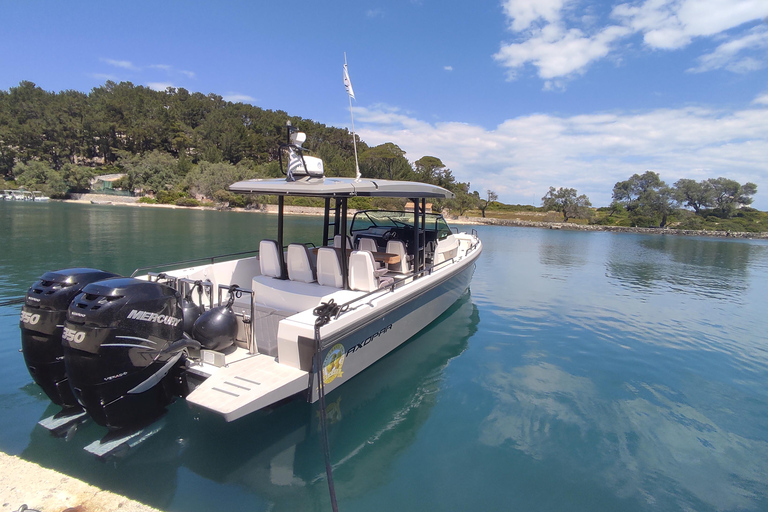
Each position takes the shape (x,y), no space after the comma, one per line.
(513,96)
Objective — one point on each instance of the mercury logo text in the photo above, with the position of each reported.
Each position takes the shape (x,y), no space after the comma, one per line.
(146,316)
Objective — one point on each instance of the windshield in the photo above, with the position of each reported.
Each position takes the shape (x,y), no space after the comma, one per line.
(386,220)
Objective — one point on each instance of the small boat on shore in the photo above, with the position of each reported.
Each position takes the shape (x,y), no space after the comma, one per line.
(23,195)
(238,333)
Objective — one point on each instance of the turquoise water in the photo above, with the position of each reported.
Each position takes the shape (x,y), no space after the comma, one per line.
(583,372)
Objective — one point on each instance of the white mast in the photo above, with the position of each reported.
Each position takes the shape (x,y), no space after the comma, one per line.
(351,93)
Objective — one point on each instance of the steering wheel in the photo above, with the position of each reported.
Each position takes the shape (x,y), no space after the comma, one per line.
(389,235)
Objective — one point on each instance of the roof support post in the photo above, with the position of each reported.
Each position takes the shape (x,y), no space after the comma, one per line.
(344,256)
(280,218)
(416,236)
(326,219)
(423,234)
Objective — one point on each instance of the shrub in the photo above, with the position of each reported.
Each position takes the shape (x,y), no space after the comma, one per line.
(187,201)
(360,203)
(148,200)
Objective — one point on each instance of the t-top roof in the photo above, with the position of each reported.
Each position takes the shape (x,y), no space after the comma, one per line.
(340,187)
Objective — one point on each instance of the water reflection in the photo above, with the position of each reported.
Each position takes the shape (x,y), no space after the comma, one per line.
(568,251)
(708,268)
(276,454)
(648,444)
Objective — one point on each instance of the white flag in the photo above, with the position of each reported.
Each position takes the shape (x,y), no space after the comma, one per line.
(348,84)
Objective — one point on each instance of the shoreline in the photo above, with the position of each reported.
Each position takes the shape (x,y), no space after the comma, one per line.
(46,490)
(461,220)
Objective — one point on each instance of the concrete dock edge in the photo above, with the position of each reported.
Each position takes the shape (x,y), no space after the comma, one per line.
(46,490)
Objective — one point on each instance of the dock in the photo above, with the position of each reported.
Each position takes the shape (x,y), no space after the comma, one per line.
(46,490)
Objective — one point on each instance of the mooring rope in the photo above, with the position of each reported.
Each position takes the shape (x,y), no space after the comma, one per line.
(324,312)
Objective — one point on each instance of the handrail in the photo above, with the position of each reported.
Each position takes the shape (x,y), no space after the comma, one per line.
(398,282)
(237,291)
(211,259)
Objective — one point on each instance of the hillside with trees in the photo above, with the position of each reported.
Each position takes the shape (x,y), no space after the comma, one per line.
(174,145)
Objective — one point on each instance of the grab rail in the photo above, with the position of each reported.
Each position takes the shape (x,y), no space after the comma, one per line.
(247,320)
(211,259)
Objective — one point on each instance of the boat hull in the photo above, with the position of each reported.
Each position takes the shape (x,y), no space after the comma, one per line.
(345,355)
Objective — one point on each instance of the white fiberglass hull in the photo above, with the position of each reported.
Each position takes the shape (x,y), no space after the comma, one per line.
(373,326)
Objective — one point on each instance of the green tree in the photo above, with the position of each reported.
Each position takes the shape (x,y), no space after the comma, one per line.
(152,172)
(40,176)
(696,195)
(490,197)
(568,202)
(77,177)
(463,200)
(647,198)
(385,161)
(727,195)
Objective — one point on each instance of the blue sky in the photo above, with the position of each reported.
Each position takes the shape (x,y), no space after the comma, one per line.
(514,95)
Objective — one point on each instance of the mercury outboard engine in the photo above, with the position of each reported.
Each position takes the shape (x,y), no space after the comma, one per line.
(124,349)
(42,319)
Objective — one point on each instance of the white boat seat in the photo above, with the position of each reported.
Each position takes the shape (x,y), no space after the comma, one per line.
(269,258)
(329,267)
(362,273)
(398,247)
(301,264)
(369,244)
(337,242)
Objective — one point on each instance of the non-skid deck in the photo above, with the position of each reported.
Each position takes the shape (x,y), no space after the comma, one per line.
(248,385)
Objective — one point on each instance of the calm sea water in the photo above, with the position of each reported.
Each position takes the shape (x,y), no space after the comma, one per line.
(583,372)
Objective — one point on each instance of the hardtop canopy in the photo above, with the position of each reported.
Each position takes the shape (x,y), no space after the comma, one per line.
(341,187)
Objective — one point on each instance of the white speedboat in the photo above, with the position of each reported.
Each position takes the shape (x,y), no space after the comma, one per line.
(295,318)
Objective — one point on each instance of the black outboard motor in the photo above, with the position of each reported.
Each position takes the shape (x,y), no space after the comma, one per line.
(123,350)
(42,319)
(216,329)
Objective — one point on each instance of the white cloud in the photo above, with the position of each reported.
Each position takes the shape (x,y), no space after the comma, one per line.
(761,100)
(524,13)
(159,86)
(522,157)
(562,42)
(123,64)
(558,53)
(235,97)
(729,55)
(448,68)
(170,70)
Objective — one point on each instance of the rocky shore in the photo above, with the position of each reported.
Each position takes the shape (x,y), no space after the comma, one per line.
(614,229)
(490,221)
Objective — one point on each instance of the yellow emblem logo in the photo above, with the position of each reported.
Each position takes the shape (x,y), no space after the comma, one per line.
(333,363)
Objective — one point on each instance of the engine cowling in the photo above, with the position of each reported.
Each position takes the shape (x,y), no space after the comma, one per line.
(123,348)
(42,318)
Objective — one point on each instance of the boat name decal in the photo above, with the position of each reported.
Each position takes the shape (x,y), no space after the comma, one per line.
(368,340)
(72,335)
(146,316)
(75,313)
(333,363)
(34,299)
(113,377)
(29,318)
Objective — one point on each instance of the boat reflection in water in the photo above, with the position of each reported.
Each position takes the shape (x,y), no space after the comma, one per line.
(276,454)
